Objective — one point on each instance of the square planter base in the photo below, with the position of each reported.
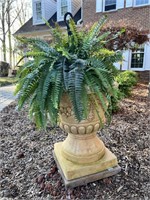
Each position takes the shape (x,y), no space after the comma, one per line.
(74,174)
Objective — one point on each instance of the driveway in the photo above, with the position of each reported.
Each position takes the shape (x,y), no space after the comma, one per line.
(6,96)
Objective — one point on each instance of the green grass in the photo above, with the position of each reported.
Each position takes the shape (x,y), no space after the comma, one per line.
(7,81)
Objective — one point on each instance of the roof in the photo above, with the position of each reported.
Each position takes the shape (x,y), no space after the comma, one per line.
(28,27)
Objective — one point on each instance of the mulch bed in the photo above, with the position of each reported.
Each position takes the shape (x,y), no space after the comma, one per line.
(28,170)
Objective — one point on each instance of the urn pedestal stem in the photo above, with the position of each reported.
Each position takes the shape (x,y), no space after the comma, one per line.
(83,149)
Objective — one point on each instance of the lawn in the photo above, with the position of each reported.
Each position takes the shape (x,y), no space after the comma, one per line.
(7,81)
(28,170)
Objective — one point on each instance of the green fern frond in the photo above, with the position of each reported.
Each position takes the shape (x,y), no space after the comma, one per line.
(75,37)
(35,113)
(95,29)
(56,32)
(75,84)
(85,102)
(95,90)
(36,54)
(40,89)
(91,38)
(57,88)
(51,110)
(26,92)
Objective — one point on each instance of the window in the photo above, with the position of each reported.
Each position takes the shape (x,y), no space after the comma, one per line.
(137,58)
(38,9)
(64,7)
(110,5)
(141,2)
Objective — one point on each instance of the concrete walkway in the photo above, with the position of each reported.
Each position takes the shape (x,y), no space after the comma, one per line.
(6,96)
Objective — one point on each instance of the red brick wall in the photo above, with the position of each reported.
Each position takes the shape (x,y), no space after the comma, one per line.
(138,17)
(144,76)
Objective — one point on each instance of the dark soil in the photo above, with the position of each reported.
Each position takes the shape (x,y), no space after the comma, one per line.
(28,170)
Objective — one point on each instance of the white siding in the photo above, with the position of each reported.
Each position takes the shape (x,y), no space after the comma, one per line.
(99,5)
(129,3)
(49,8)
(120,4)
(76,5)
(147,57)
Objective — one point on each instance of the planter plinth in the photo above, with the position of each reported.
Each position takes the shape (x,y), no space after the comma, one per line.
(75,174)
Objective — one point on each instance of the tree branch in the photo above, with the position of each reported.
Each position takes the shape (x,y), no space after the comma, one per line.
(13,21)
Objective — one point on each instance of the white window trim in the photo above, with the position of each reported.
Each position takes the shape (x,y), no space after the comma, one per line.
(99,6)
(59,17)
(134,4)
(103,1)
(137,69)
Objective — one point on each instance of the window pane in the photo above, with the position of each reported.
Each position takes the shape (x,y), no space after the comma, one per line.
(63,3)
(137,58)
(38,11)
(110,2)
(64,7)
(140,2)
(64,10)
(110,5)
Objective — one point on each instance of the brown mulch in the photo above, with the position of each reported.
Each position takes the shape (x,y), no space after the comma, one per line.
(28,170)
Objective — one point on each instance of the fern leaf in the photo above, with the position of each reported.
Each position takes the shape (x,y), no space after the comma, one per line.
(75,84)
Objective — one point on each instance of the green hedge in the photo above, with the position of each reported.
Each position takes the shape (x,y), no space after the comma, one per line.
(124,84)
(4,81)
(126,80)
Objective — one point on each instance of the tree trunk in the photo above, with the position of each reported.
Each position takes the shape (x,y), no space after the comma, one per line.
(3,32)
(121,67)
(9,37)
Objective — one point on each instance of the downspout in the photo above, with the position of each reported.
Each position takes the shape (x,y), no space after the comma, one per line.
(79,21)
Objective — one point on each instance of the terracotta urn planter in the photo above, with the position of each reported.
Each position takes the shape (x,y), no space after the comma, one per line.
(82,153)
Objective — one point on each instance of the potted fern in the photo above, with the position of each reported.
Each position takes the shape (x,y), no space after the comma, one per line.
(70,83)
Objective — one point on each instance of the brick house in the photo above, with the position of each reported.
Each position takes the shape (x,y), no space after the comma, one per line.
(133,13)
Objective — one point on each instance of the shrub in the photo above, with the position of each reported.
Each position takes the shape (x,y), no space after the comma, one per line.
(115,99)
(126,80)
(4,67)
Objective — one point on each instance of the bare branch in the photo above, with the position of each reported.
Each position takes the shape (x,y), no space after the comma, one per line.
(13,20)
